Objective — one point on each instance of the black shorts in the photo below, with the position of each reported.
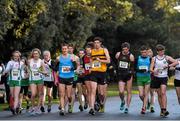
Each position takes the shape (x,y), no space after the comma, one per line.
(87,77)
(99,77)
(176,83)
(24,90)
(68,81)
(81,80)
(48,84)
(124,76)
(158,81)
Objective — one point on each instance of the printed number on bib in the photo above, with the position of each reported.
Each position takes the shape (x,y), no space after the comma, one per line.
(143,68)
(96,64)
(15,72)
(87,66)
(81,71)
(123,64)
(35,73)
(66,69)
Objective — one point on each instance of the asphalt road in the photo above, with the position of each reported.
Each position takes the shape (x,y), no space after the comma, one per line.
(112,112)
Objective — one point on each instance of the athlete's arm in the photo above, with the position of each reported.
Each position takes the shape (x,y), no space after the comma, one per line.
(107,57)
(152,65)
(132,62)
(117,55)
(172,60)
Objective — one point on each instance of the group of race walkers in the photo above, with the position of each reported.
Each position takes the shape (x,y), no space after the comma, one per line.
(85,73)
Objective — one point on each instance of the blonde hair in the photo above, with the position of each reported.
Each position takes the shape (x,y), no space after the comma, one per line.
(35,49)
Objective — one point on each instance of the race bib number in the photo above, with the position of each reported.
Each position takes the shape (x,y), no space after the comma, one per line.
(15,73)
(35,73)
(143,68)
(96,64)
(160,70)
(81,71)
(123,64)
(66,69)
(87,66)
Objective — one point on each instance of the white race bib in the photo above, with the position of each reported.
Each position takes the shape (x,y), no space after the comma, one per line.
(143,68)
(123,64)
(87,66)
(96,64)
(81,71)
(66,69)
(15,73)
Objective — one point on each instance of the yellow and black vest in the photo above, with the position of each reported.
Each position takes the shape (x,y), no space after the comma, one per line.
(96,65)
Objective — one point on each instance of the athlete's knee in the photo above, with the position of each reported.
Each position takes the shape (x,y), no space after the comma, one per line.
(163,93)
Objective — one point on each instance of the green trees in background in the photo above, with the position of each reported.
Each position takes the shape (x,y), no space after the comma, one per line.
(25,24)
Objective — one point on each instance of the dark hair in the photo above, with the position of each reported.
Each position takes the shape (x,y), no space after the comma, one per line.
(25,59)
(125,44)
(64,44)
(160,47)
(88,46)
(143,47)
(71,45)
(98,38)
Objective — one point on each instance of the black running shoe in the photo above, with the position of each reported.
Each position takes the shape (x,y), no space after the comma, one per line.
(18,111)
(96,107)
(62,113)
(49,108)
(85,106)
(92,112)
(81,108)
(42,109)
(13,111)
(152,109)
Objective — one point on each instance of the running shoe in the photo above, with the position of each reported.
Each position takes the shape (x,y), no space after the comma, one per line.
(152,109)
(91,111)
(81,108)
(13,111)
(49,108)
(85,106)
(18,111)
(164,113)
(122,106)
(143,111)
(70,108)
(42,109)
(97,107)
(101,109)
(62,112)
(126,110)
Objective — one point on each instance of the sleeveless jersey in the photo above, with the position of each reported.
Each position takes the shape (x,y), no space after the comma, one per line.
(49,76)
(34,70)
(96,65)
(124,62)
(66,67)
(159,66)
(87,64)
(143,64)
(15,70)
